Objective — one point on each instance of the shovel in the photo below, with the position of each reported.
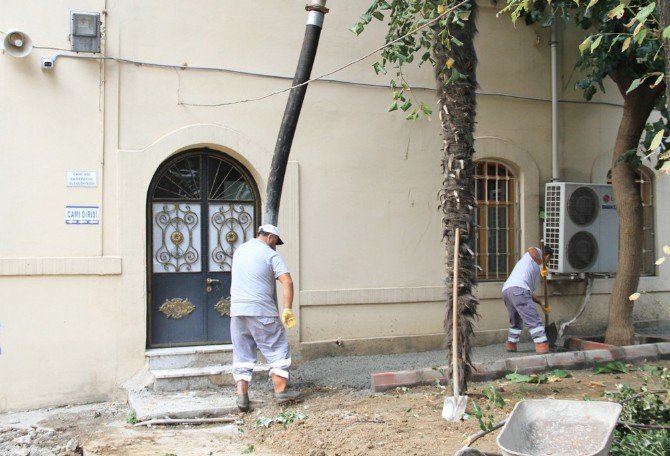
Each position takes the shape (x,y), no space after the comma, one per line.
(454,407)
(551,330)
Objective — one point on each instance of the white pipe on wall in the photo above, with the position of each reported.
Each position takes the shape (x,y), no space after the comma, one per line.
(555,166)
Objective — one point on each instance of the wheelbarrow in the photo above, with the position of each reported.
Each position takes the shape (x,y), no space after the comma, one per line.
(546,427)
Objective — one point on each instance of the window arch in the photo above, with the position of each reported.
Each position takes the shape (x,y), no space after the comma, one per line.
(496,190)
(644,179)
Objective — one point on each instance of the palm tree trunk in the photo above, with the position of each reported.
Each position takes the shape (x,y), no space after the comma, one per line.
(664,12)
(637,106)
(457,104)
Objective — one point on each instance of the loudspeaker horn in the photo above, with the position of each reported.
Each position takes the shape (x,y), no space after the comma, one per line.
(17,43)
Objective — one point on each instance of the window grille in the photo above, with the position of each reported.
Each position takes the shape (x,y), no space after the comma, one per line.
(496,234)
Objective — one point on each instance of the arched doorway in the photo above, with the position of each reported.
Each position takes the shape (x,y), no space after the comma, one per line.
(201,206)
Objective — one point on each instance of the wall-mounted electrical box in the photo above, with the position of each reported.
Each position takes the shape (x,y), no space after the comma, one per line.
(85,31)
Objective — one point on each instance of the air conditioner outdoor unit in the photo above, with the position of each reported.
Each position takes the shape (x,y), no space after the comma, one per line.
(582,226)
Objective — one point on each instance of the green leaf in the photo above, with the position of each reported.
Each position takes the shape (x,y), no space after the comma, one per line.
(591,3)
(613,367)
(596,43)
(634,85)
(406,105)
(640,36)
(658,80)
(478,410)
(666,32)
(414,115)
(617,11)
(518,378)
(456,41)
(455,76)
(426,109)
(656,141)
(645,12)
(393,106)
(378,15)
(585,45)
(560,373)
(357,28)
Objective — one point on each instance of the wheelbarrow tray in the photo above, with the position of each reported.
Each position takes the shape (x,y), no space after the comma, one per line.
(556,427)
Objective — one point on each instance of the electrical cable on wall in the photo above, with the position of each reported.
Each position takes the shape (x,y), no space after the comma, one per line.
(315,79)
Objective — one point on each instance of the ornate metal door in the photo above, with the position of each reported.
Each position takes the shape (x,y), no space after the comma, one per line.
(202,205)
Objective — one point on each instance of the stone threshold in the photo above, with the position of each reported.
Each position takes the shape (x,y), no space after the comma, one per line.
(526,365)
(198,349)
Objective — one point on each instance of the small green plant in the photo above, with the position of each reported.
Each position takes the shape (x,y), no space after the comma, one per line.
(132,417)
(539,379)
(613,367)
(648,405)
(284,418)
(493,400)
(249,449)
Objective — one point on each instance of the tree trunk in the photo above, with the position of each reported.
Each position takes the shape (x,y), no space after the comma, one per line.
(637,106)
(457,105)
(664,11)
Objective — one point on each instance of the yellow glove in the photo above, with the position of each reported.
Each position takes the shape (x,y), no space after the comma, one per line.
(544,272)
(546,309)
(287,318)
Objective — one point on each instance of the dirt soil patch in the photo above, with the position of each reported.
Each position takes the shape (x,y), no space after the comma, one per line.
(336,422)
(407,421)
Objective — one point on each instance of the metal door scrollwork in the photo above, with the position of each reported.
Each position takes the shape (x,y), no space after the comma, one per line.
(223,307)
(230,225)
(202,205)
(177,308)
(176,237)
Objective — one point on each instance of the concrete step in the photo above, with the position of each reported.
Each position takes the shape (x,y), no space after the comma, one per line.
(181,357)
(200,378)
(150,405)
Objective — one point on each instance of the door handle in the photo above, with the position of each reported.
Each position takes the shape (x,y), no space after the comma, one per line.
(211,281)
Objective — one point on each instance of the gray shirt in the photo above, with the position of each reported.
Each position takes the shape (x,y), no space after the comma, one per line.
(255,268)
(525,273)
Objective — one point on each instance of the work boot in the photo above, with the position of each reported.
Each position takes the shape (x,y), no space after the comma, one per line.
(243,402)
(542,348)
(288,395)
(510,346)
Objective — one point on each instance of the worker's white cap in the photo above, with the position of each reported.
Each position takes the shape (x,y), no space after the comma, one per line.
(271,229)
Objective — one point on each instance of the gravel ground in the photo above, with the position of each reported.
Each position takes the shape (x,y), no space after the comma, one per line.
(354,371)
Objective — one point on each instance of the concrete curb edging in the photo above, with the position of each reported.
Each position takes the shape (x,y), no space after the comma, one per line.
(525,365)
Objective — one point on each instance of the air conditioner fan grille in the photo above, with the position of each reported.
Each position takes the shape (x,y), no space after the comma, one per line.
(582,250)
(583,206)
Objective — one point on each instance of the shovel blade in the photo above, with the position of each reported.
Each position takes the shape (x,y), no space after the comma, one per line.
(454,407)
(552,334)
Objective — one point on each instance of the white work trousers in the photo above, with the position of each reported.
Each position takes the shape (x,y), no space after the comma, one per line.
(266,334)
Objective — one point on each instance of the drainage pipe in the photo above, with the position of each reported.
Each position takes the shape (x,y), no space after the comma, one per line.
(555,166)
(587,298)
(317,10)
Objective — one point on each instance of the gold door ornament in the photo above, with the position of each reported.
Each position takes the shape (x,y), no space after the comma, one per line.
(177,308)
(176,237)
(223,307)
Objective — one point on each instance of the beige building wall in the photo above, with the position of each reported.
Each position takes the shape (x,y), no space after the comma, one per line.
(359,208)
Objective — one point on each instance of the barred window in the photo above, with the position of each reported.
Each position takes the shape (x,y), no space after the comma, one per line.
(495,244)
(644,178)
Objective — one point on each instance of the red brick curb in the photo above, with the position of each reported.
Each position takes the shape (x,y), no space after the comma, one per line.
(526,365)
